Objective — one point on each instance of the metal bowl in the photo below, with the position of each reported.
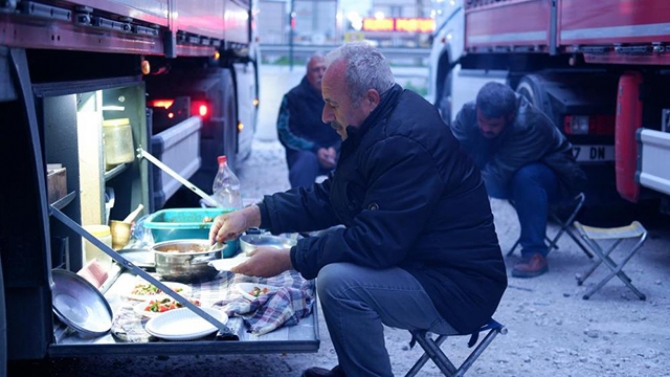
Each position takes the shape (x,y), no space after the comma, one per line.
(186,261)
(249,242)
(80,305)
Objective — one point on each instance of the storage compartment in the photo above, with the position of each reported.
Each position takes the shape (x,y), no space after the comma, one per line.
(186,223)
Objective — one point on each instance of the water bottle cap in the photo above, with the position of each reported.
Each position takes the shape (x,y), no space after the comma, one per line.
(222,160)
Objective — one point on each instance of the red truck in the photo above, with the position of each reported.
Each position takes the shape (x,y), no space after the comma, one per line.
(599,69)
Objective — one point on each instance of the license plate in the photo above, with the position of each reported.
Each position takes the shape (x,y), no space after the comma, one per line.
(585,153)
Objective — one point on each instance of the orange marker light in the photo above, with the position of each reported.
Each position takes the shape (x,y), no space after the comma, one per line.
(164,103)
(145,66)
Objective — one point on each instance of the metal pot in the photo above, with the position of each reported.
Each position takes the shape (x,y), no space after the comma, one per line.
(186,261)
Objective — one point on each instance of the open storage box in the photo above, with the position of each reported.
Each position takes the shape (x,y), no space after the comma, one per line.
(186,223)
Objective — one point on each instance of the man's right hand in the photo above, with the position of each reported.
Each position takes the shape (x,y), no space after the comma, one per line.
(327,157)
(231,225)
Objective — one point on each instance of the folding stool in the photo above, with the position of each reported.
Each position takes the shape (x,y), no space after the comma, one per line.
(591,235)
(578,202)
(432,349)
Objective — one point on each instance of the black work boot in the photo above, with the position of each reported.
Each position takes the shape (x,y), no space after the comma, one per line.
(321,372)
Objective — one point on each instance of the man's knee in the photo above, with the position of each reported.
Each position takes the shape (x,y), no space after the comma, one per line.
(331,279)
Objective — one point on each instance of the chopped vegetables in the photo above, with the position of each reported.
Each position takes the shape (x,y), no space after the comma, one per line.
(256,291)
(149,290)
(165,304)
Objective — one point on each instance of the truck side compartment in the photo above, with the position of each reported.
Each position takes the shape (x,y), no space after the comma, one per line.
(65,68)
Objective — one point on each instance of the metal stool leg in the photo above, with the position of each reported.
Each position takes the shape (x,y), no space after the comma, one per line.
(424,358)
(480,349)
(511,251)
(433,351)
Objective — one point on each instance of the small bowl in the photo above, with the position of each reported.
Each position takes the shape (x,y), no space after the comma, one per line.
(120,233)
(249,242)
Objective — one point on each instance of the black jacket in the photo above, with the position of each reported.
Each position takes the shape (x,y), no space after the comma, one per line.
(532,137)
(299,125)
(410,198)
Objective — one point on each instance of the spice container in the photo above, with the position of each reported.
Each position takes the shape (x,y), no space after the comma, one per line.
(101,232)
(118,141)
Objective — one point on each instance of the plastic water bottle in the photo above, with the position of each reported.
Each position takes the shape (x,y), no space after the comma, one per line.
(226,187)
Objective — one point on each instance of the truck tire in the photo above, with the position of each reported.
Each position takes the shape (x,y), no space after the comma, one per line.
(530,86)
(444,101)
(3,327)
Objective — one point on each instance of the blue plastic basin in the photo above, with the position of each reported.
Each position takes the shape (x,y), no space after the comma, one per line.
(186,223)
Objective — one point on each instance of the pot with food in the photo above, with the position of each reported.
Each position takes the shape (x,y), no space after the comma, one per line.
(186,261)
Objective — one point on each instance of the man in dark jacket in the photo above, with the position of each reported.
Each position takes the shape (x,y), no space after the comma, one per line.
(418,249)
(311,145)
(523,158)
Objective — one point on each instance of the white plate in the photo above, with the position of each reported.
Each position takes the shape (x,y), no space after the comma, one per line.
(183,324)
(246,288)
(227,264)
(139,308)
(185,291)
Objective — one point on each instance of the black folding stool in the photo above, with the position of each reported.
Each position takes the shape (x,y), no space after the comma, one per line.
(432,349)
(577,202)
(591,235)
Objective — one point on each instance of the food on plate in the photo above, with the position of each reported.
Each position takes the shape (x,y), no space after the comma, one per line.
(257,291)
(151,290)
(165,304)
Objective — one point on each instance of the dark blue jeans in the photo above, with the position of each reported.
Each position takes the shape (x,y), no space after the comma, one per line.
(303,168)
(358,301)
(531,190)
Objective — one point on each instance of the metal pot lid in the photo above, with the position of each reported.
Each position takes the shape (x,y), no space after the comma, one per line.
(80,305)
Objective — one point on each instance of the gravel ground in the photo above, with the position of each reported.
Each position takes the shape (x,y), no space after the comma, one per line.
(552,331)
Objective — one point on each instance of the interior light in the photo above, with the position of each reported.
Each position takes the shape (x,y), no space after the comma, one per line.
(240,126)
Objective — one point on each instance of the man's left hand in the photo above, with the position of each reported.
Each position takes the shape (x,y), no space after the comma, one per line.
(265,262)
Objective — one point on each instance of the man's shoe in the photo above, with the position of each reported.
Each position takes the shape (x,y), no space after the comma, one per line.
(530,268)
(321,372)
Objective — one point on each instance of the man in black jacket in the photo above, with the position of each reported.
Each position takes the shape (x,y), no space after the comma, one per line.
(311,145)
(523,158)
(418,249)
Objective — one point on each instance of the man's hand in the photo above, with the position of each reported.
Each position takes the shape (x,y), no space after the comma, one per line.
(231,225)
(265,262)
(327,157)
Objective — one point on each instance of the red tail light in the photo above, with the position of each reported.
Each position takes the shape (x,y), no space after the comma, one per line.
(589,124)
(201,108)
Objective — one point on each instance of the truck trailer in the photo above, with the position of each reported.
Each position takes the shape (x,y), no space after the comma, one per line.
(598,69)
(84,85)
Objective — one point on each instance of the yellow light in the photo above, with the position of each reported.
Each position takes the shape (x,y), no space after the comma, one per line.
(256,101)
(240,126)
(146,67)
(217,55)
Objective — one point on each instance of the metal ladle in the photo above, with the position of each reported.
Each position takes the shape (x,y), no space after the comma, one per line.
(141,153)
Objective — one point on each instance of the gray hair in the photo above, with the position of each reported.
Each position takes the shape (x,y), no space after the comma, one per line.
(317,55)
(496,100)
(366,69)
